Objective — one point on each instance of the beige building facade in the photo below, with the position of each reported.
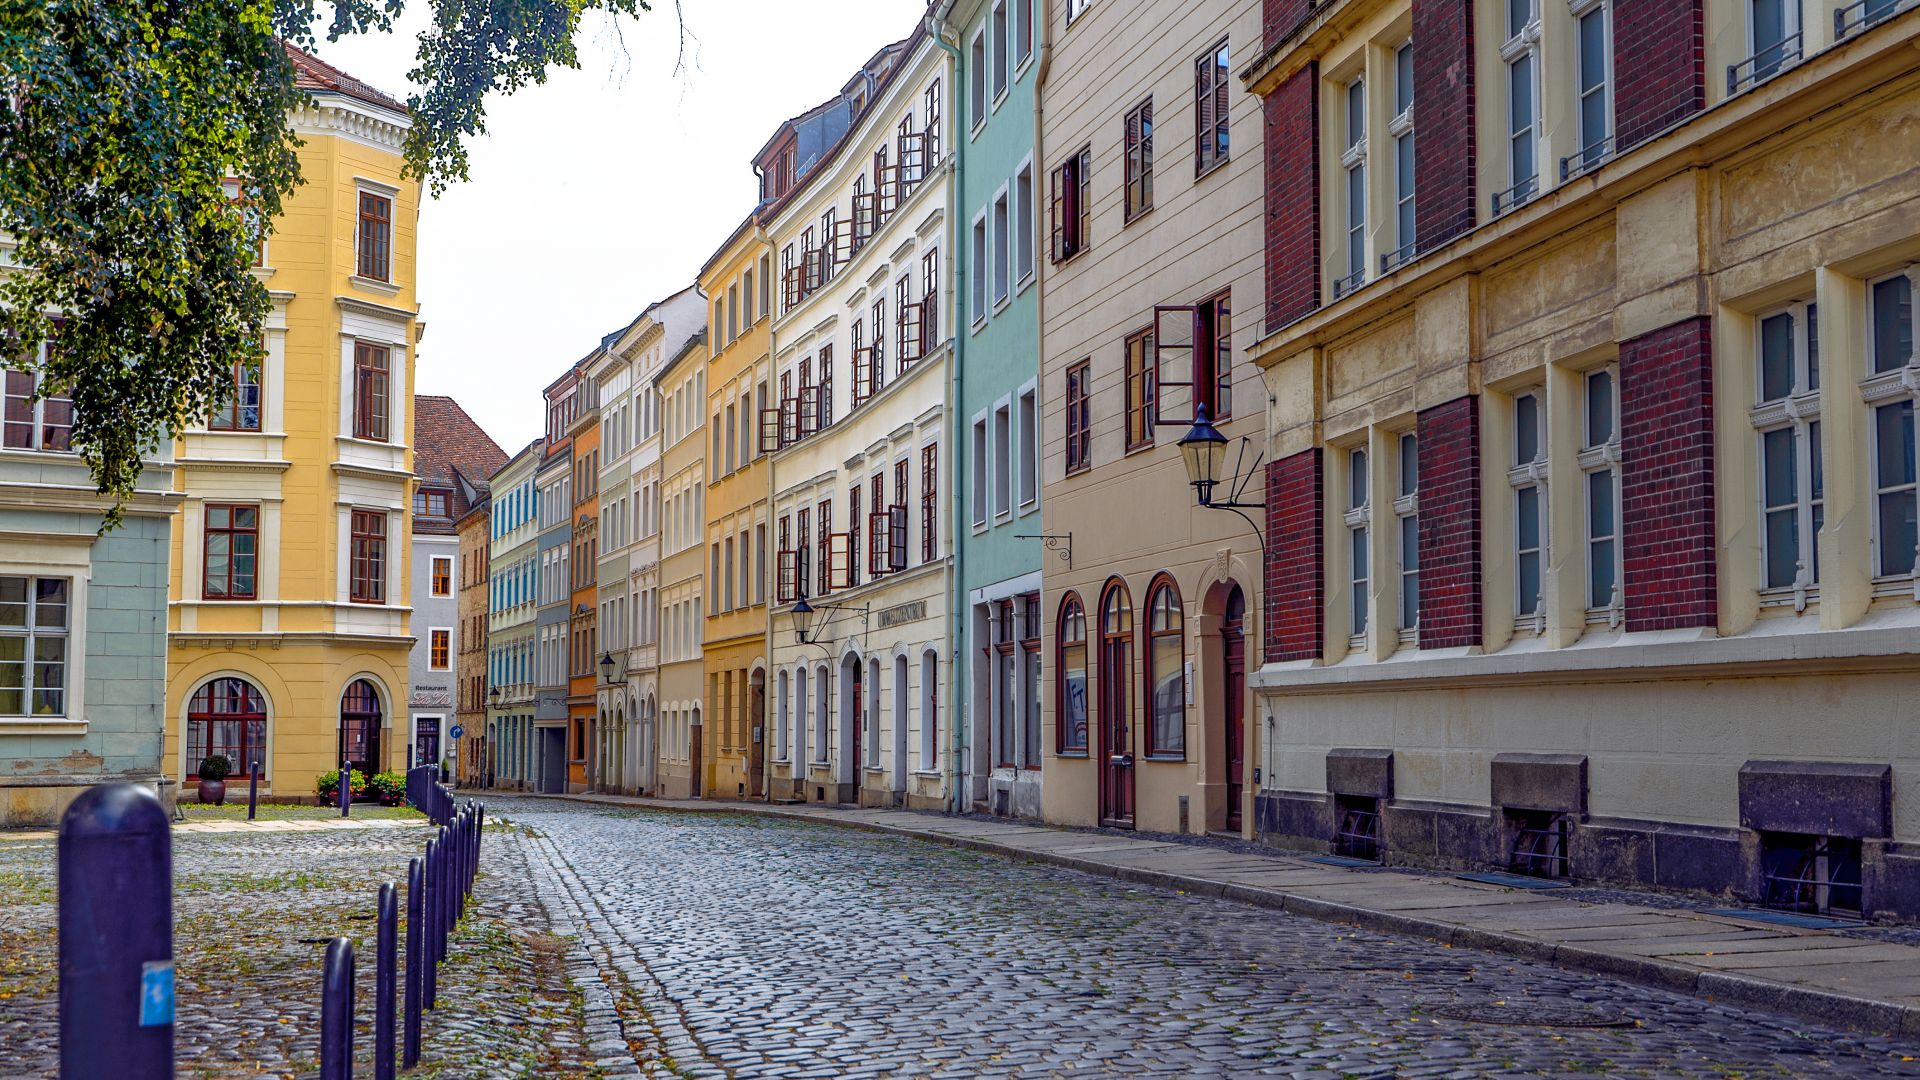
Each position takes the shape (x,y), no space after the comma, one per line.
(680,385)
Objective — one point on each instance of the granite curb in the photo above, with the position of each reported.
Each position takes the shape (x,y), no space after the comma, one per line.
(1722,987)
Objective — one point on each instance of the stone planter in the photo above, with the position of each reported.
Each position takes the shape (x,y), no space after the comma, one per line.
(213,791)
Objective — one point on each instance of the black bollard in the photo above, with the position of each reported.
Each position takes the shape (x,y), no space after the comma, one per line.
(429,927)
(115,874)
(253,788)
(346,786)
(410,1034)
(385,947)
(336,1012)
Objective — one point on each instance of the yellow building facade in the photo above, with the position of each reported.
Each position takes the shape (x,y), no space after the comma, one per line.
(288,596)
(738,284)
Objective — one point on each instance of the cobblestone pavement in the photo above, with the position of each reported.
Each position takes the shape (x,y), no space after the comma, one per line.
(249,988)
(764,947)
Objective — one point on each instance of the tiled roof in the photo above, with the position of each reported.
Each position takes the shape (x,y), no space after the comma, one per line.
(448,447)
(314,74)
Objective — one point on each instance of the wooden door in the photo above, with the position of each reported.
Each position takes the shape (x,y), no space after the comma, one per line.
(1116,734)
(1233,657)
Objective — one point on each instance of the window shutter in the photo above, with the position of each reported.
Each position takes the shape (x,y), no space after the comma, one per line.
(1056,220)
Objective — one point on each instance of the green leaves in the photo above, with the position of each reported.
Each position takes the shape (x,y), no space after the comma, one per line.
(119,120)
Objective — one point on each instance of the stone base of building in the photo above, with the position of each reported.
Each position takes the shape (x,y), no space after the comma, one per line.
(1014,793)
(36,802)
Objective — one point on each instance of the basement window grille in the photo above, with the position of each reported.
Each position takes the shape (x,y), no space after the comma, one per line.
(1539,844)
(1813,875)
(1358,835)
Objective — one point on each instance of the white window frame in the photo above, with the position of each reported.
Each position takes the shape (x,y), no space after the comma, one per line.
(1523,475)
(1002,453)
(1406,513)
(981,456)
(1888,389)
(1797,412)
(1000,225)
(67,558)
(1023,225)
(978,63)
(1522,43)
(452,647)
(1400,129)
(1027,435)
(1353,162)
(1359,547)
(1585,156)
(1598,457)
(1000,43)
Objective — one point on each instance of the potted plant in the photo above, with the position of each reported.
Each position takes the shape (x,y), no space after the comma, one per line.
(214,771)
(389,787)
(327,786)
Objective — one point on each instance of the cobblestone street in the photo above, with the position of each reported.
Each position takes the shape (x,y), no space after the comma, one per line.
(768,947)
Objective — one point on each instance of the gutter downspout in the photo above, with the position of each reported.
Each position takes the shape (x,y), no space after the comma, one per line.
(956,746)
(1044,18)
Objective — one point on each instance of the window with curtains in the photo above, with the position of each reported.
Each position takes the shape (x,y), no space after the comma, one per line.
(367,557)
(230,546)
(1138,159)
(241,411)
(1210,81)
(1077,404)
(1166,674)
(372,389)
(1786,420)
(376,237)
(1070,684)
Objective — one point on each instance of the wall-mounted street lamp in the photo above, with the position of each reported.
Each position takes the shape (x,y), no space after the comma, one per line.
(606,668)
(493,698)
(1204,450)
(809,623)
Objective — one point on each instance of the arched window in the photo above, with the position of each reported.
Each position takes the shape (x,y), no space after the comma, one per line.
(360,716)
(1166,677)
(930,710)
(228,716)
(781,705)
(821,718)
(1070,690)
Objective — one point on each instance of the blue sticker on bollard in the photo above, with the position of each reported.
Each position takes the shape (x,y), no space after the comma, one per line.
(156,993)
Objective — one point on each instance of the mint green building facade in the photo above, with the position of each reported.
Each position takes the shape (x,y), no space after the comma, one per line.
(996,216)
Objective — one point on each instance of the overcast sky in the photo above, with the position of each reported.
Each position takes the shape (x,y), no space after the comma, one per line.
(606,189)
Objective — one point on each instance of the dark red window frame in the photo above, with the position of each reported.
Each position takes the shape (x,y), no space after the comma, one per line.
(1138,159)
(1079,419)
(372,392)
(1071,738)
(1140,388)
(228,527)
(367,561)
(1163,585)
(376,237)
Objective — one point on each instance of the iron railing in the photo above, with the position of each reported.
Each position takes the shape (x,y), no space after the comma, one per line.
(1764,64)
(1856,17)
(1345,285)
(1517,195)
(1587,157)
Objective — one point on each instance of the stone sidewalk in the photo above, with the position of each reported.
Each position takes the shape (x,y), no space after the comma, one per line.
(1834,977)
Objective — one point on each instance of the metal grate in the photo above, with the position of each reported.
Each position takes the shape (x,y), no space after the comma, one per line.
(1813,875)
(1540,845)
(1358,836)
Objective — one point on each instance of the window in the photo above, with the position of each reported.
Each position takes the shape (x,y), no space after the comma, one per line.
(1002,247)
(1140,389)
(1596,113)
(1070,704)
(1079,417)
(1210,109)
(1023,221)
(1406,510)
(977,273)
(1005,684)
(430,504)
(1890,320)
(370,391)
(1077,8)
(929,501)
(442,576)
(981,473)
(1116,669)
(439,646)
(1166,676)
(242,410)
(1002,462)
(1354,160)
(1600,462)
(1071,202)
(376,236)
(1213,355)
(1028,464)
(1029,608)
(1526,475)
(37,417)
(367,557)
(229,552)
(766,286)
(1359,505)
(34,622)
(977,97)
(1521,53)
(236,194)
(228,717)
(1001,51)
(1773,39)
(1401,128)
(1791,495)
(1139,160)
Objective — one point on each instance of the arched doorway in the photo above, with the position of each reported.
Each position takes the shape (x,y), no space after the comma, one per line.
(1233,714)
(360,721)
(853,738)
(1116,707)
(757,720)
(695,771)
(227,716)
(900,728)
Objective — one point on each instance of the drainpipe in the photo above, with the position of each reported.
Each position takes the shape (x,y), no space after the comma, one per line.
(956,798)
(1043,16)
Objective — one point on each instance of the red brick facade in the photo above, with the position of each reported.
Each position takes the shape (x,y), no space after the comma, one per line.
(1296,557)
(1666,477)
(1443,193)
(1659,67)
(1450,524)
(1279,16)
(1293,197)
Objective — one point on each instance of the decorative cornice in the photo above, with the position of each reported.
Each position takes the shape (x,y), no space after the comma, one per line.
(378,311)
(331,114)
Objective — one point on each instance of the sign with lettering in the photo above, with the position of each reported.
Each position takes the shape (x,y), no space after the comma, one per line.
(903,613)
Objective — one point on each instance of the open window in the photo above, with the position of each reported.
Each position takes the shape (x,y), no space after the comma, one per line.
(840,561)
(912,148)
(886,191)
(1069,202)
(880,542)
(809,410)
(862,364)
(1193,360)
(770,431)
